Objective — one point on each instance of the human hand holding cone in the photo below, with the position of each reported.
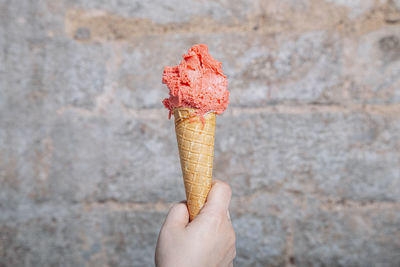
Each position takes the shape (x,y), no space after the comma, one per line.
(198,91)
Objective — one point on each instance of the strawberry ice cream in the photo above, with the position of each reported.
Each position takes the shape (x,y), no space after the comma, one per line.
(197,82)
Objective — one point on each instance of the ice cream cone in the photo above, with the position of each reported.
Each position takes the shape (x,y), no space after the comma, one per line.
(196,151)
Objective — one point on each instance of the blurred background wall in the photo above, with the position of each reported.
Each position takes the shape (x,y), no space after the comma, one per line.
(310,142)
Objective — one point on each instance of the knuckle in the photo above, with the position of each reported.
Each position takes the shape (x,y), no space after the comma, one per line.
(233,238)
(215,218)
(230,237)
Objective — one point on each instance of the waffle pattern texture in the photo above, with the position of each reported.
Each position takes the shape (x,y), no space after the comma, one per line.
(196,151)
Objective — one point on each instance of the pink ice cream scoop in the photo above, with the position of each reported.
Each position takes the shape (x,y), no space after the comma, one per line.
(197,82)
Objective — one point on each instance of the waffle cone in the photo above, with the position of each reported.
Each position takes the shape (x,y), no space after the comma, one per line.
(196,151)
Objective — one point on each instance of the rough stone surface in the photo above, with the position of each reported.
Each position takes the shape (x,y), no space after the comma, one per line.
(356,7)
(334,153)
(348,238)
(310,142)
(261,237)
(79,235)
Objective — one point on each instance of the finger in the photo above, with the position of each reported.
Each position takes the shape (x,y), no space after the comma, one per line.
(219,198)
(178,216)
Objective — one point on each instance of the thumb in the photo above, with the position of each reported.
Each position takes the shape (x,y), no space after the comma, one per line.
(218,198)
(178,216)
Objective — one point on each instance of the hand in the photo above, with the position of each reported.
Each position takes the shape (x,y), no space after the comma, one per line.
(207,241)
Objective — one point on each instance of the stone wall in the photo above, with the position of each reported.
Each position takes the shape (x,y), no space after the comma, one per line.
(310,142)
